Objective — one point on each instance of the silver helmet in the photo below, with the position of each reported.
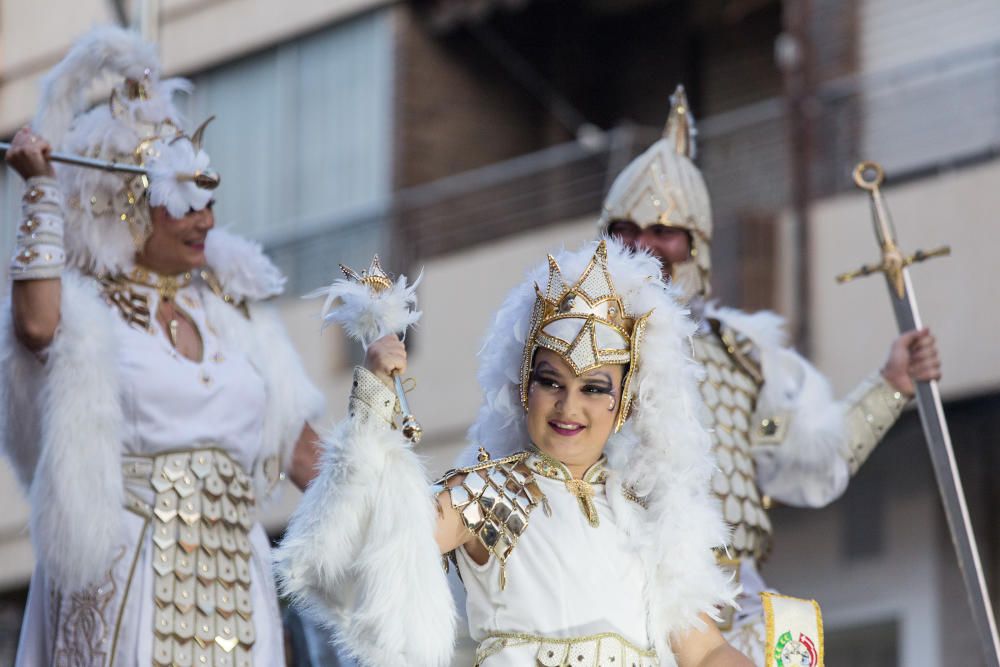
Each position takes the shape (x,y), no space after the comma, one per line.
(664,187)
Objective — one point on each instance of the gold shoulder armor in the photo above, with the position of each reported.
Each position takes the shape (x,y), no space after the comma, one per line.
(213,284)
(495,499)
(740,349)
(131,305)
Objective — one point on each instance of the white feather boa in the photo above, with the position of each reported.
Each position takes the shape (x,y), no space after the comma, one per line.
(663,453)
(60,422)
(359,554)
(796,392)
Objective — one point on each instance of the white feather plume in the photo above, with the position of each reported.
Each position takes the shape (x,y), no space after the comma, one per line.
(104,51)
(366,315)
(167,187)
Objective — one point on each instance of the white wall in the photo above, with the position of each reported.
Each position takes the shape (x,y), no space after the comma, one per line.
(899,584)
(853,324)
(194,35)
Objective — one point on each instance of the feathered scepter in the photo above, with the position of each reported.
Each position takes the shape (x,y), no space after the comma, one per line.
(369,305)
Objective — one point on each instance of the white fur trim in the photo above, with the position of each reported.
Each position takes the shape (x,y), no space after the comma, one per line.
(77,496)
(359,554)
(806,467)
(663,452)
(241,266)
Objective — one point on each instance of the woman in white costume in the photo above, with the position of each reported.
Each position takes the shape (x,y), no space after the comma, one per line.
(150,401)
(583,524)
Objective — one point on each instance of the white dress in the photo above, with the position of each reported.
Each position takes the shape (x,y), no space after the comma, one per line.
(568,591)
(201,577)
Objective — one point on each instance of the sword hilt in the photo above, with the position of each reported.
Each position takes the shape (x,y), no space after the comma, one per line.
(918,256)
(869,176)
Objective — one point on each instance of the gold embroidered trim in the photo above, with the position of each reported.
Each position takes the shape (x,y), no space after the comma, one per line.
(557,652)
(128,588)
(83,628)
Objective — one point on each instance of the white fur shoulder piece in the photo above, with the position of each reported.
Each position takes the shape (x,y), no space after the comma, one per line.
(76,494)
(241,266)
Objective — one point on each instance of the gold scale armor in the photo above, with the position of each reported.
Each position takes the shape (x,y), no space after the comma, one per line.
(201,515)
(731,391)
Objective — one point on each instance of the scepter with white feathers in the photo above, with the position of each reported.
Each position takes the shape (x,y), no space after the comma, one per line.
(370,305)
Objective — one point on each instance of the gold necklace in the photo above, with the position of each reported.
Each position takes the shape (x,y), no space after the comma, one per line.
(167,287)
(582,488)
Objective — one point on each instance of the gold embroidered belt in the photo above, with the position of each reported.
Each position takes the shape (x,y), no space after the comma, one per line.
(608,649)
(201,506)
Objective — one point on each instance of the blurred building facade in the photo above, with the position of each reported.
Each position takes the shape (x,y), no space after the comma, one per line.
(468,137)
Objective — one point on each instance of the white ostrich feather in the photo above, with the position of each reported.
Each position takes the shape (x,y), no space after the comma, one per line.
(366,315)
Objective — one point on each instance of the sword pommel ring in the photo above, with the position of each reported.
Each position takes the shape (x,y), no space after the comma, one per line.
(868,175)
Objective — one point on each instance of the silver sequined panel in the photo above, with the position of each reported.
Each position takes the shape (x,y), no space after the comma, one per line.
(731,395)
(203,511)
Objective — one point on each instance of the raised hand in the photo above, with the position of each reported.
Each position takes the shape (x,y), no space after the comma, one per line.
(913,357)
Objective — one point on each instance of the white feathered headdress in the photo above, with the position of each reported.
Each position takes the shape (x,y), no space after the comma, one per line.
(662,454)
(108,212)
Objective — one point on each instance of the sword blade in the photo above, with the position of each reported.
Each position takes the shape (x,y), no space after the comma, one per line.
(950,485)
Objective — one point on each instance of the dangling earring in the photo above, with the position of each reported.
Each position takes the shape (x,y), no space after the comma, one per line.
(611,408)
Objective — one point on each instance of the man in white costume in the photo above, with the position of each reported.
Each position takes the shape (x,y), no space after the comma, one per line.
(779,432)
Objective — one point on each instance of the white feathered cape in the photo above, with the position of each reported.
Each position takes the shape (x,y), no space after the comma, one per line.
(60,421)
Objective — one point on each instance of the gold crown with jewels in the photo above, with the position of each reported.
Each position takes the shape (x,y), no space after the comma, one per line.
(586,324)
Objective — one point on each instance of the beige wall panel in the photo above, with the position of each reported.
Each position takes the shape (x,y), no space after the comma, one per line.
(35,34)
(194,35)
(853,324)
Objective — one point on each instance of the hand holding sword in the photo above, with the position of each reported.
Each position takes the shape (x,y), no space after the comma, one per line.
(894,265)
(376,312)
